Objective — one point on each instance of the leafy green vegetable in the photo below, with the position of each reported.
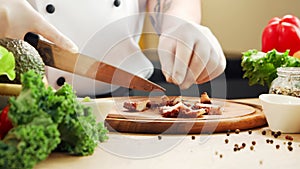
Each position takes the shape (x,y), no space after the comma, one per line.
(79,130)
(41,116)
(261,67)
(26,145)
(7,63)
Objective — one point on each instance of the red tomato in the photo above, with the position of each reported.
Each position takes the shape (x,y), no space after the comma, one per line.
(5,123)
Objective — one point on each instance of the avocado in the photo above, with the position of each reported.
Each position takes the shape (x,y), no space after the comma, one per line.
(26,57)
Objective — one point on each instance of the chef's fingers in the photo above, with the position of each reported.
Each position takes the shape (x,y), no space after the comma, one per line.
(213,69)
(215,73)
(183,55)
(49,32)
(166,53)
(198,63)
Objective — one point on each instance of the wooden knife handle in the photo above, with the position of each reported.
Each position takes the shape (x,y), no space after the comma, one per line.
(32,39)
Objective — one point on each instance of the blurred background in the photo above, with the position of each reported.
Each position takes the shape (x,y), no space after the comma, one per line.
(238,24)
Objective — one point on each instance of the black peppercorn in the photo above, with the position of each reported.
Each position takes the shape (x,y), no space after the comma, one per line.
(250,131)
(273,132)
(264,132)
(279,133)
(228,133)
(60,81)
(290,148)
(117,3)
(50,8)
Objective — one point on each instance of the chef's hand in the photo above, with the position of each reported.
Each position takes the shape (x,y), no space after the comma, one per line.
(17,17)
(190,53)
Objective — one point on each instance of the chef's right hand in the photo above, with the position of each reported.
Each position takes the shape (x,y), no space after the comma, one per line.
(17,17)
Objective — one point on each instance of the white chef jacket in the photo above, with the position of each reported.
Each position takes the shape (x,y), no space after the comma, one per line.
(107,30)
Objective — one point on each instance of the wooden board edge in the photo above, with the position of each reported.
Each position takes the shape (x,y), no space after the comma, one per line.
(257,119)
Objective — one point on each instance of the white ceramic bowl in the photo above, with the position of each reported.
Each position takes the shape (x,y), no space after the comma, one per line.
(282,112)
(101,107)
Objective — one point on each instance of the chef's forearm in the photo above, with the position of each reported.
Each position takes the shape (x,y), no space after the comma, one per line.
(185,9)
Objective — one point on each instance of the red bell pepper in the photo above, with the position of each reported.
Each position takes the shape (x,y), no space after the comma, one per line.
(282,34)
(5,123)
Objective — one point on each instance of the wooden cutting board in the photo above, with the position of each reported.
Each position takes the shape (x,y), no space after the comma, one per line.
(235,115)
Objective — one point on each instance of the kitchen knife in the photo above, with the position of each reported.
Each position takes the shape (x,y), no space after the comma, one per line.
(87,66)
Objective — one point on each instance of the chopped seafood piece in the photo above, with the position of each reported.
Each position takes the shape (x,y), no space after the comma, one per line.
(175,106)
(170,100)
(138,106)
(205,98)
(210,109)
(180,110)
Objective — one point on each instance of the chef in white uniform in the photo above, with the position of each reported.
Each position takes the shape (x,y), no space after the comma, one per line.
(109,30)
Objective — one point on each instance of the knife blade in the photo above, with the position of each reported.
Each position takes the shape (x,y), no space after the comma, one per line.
(86,66)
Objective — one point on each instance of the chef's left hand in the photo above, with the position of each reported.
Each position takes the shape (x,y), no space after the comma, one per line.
(189,54)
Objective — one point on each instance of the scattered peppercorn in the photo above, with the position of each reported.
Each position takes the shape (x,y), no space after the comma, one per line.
(253,143)
(193,137)
(226,141)
(251,148)
(271,141)
(243,145)
(237,131)
(289,143)
(290,148)
(250,131)
(264,132)
(289,137)
(235,149)
(268,141)
(221,155)
(279,133)
(273,132)
(275,135)
(277,146)
(228,132)
(159,137)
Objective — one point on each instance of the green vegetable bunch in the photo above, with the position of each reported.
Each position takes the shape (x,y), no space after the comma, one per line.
(45,120)
(26,145)
(260,68)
